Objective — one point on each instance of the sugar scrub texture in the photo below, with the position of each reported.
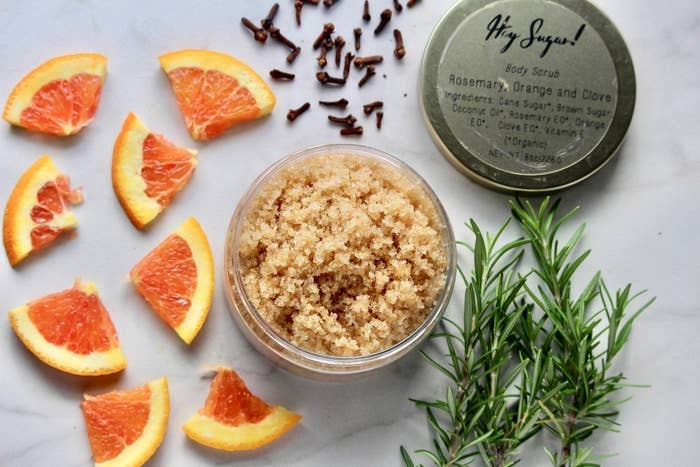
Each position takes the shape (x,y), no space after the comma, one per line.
(342,255)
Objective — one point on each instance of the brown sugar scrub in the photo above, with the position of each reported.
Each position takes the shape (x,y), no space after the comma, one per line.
(342,255)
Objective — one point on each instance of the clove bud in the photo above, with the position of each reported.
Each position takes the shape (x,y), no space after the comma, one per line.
(369,108)
(361,62)
(322,61)
(348,121)
(298,5)
(293,55)
(380,117)
(340,103)
(267,21)
(411,3)
(294,113)
(399,51)
(346,67)
(339,44)
(354,131)
(371,71)
(258,33)
(324,78)
(365,13)
(329,3)
(282,75)
(276,34)
(384,19)
(328,29)
(358,34)
(397,6)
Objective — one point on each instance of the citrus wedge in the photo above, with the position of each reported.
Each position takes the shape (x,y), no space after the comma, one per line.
(215,91)
(233,419)
(126,427)
(148,171)
(59,97)
(71,331)
(177,279)
(37,211)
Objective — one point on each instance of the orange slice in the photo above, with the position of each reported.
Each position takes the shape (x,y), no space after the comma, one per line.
(71,331)
(59,97)
(37,211)
(148,171)
(233,419)
(215,91)
(126,427)
(177,279)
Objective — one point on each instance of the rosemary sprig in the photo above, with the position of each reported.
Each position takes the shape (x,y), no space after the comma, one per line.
(491,406)
(527,353)
(581,343)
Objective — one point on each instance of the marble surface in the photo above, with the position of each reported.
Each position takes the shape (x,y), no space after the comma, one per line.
(642,213)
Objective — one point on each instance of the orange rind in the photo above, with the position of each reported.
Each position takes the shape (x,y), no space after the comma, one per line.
(233,419)
(176,278)
(215,91)
(59,97)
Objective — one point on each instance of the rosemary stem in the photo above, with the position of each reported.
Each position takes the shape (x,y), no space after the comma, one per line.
(457,435)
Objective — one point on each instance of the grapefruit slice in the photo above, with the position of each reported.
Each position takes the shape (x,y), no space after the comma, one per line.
(71,331)
(148,171)
(233,419)
(37,211)
(126,427)
(59,97)
(177,279)
(215,91)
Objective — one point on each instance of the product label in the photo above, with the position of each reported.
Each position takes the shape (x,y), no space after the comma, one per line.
(527,87)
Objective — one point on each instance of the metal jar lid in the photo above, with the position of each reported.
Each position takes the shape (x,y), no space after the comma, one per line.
(527,95)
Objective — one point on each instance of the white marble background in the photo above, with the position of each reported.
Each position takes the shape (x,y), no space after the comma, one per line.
(642,214)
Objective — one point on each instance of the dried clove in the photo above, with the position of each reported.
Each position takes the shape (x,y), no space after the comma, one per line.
(277,35)
(258,33)
(321,60)
(329,3)
(397,6)
(371,71)
(328,29)
(354,131)
(365,13)
(361,62)
(294,113)
(411,3)
(346,67)
(348,121)
(298,5)
(399,51)
(369,108)
(325,78)
(282,75)
(380,117)
(339,44)
(358,34)
(384,19)
(268,20)
(293,55)
(340,103)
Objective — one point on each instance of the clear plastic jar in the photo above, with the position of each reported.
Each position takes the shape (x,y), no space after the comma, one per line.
(289,356)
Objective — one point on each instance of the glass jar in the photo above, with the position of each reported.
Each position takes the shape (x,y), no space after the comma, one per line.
(289,356)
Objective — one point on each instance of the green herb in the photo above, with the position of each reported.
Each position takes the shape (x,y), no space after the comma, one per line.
(581,344)
(526,354)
